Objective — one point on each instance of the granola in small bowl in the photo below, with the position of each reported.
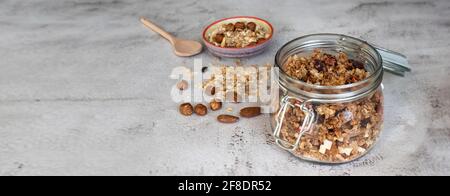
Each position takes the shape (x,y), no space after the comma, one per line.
(240,36)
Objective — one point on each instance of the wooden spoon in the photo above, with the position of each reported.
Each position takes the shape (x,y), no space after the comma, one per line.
(181,47)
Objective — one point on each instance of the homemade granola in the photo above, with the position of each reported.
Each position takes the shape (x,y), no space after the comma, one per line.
(325,69)
(341,131)
(238,35)
(234,83)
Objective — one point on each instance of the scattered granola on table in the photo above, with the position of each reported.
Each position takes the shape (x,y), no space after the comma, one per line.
(341,131)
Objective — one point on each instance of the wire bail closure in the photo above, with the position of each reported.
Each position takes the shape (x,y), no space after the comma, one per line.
(306,125)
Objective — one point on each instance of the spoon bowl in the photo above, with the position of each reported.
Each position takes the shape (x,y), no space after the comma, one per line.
(186,47)
(181,47)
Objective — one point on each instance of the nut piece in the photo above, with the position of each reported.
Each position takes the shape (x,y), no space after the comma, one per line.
(186,109)
(210,90)
(250,112)
(239,25)
(224,118)
(200,109)
(219,38)
(229,27)
(182,85)
(215,105)
(251,26)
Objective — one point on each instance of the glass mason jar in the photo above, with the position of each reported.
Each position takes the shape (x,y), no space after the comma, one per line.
(329,124)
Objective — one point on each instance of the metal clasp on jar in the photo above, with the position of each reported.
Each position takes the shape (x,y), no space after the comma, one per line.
(306,125)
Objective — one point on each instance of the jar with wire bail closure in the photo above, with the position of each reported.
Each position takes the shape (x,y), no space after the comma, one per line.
(331,102)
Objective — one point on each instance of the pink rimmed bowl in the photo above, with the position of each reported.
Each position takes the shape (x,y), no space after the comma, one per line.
(237,52)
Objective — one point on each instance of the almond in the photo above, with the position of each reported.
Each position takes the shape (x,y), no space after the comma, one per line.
(250,112)
(224,118)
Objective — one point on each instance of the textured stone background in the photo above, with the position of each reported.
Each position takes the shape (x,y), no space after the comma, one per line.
(84,88)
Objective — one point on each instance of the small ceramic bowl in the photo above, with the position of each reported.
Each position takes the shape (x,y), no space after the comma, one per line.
(237,52)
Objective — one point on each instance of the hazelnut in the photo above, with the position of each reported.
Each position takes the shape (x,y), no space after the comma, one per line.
(200,109)
(239,26)
(251,26)
(186,109)
(215,105)
(182,85)
(229,27)
(219,38)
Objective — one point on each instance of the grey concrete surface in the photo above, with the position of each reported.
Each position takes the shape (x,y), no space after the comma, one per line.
(85,88)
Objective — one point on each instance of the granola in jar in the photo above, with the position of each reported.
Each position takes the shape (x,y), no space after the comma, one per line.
(340,131)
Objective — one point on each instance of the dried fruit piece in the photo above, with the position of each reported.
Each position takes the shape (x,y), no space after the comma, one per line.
(250,112)
(356,64)
(325,146)
(364,122)
(182,85)
(347,151)
(200,109)
(329,60)
(224,118)
(215,105)
(186,109)
(331,70)
(319,65)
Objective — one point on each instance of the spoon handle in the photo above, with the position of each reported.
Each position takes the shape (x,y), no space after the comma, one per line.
(157,29)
